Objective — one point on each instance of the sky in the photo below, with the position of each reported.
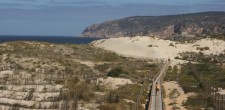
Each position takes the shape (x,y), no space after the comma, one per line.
(71,17)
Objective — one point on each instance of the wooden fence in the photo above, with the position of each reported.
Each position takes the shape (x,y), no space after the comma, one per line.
(210,90)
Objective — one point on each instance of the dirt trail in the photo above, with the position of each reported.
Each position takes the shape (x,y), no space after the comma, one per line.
(175,96)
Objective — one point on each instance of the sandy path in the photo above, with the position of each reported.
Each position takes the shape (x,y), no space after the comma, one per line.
(175,98)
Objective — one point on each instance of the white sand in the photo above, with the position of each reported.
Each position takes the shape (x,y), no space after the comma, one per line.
(4,74)
(113,83)
(154,48)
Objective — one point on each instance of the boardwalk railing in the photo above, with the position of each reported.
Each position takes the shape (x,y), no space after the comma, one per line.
(156,101)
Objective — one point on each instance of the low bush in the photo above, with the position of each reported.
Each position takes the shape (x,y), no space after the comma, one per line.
(115,72)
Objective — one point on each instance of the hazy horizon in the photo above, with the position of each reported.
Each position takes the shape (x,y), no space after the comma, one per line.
(71,17)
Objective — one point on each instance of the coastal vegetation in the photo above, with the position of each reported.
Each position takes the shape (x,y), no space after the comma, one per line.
(70,76)
(192,77)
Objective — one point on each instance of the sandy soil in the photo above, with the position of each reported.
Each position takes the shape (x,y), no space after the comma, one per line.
(179,97)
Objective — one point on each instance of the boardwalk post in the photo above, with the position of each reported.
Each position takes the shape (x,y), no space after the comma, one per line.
(210,93)
(213,96)
(223,102)
(206,88)
(210,90)
(219,101)
(216,101)
(215,104)
(208,84)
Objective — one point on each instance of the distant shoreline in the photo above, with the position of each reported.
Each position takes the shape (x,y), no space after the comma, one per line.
(44,36)
(50,39)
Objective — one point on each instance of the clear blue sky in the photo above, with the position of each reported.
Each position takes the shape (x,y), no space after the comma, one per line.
(70,17)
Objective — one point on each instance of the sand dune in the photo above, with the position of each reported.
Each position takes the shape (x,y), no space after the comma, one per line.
(147,47)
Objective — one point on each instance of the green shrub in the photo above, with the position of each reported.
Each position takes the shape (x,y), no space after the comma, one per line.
(202,48)
(176,57)
(115,72)
(130,92)
(151,65)
(171,44)
(60,81)
(149,45)
(103,68)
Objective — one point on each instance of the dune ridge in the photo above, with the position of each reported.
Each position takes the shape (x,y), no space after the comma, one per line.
(155,48)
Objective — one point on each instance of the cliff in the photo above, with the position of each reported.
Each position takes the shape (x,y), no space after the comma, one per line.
(204,23)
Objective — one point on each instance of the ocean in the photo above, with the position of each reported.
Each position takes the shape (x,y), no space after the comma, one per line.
(50,39)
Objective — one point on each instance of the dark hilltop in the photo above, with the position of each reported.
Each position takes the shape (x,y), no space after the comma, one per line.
(193,24)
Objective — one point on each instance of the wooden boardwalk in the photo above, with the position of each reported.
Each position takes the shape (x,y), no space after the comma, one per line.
(156,100)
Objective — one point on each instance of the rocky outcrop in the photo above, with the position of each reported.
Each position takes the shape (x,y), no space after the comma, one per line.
(205,23)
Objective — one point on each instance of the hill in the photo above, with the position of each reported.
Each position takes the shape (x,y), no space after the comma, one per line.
(204,23)
(46,76)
